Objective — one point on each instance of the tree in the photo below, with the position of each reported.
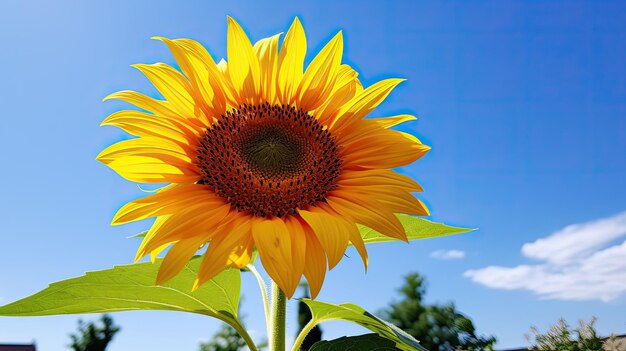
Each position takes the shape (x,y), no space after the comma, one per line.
(304,316)
(562,337)
(226,339)
(437,327)
(94,337)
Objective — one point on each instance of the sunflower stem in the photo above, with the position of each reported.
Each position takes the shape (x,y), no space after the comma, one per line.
(279,311)
(244,334)
(303,333)
(263,289)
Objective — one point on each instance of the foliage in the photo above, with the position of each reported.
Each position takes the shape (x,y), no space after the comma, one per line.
(324,312)
(304,317)
(367,342)
(93,337)
(416,229)
(436,327)
(132,287)
(226,339)
(562,337)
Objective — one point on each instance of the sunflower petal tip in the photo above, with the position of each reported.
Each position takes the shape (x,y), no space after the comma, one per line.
(159,280)
(405,238)
(100,158)
(314,293)
(108,97)
(196,285)
(296,22)
(339,37)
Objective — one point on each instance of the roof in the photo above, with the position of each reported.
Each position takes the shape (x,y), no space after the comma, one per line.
(619,337)
(17,347)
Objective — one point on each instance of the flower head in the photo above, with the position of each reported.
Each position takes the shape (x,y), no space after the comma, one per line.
(262,153)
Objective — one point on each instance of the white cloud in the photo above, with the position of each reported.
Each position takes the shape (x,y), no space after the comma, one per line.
(448,254)
(579,262)
(577,240)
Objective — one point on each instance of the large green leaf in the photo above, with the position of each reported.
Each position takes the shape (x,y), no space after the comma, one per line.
(323,312)
(367,342)
(416,229)
(132,287)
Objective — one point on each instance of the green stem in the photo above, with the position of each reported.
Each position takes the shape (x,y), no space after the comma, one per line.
(244,334)
(279,311)
(263,288)
(303,333)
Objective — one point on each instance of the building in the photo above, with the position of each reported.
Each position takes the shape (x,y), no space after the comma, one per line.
(618,338)
(18,347)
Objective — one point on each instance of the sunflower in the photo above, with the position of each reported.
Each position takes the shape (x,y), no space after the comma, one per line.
(260,153)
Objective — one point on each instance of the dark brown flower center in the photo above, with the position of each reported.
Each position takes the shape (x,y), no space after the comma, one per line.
(269,160)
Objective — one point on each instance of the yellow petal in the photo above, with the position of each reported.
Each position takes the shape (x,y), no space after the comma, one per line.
(176,259)
(230,239)
(367,211)
(166,201)
(332,231)
(314,263)
(364,102)
(388,122)
(267,53)
(212,92)
(397,200)
(384,148)
(298,245)
(273,241)
(222,66)
(143,124)
(359,245)
(151,160)
(378,177)
(291,62)
(158,222)
(242,253)
(197,222)
(143,169)
(142,101)
(243,64)
(151,147)
(171,84)
(154,254)
(346,86)
(320,76)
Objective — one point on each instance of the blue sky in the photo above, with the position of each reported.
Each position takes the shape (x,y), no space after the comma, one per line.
(522,102)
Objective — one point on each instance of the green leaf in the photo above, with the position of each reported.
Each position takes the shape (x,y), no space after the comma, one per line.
(132,287)
(138,235)
(367,342)
(323,312)
(416,229)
